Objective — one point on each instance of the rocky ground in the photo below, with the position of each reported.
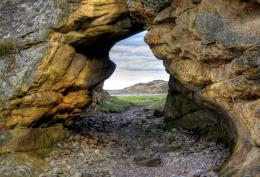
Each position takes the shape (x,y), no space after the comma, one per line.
(133,143)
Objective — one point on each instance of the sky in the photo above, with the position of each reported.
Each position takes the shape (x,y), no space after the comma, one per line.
(135,63)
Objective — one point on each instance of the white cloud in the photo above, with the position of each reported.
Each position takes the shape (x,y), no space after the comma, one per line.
(135,63)
(122,78)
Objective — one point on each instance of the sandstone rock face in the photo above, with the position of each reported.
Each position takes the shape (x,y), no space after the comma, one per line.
(28,139)
(212,51)
(54,53)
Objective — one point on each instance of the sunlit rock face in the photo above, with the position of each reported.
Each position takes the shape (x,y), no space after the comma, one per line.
(54,53)
(211,48)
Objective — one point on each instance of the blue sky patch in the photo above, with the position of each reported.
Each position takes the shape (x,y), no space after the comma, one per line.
(135,63)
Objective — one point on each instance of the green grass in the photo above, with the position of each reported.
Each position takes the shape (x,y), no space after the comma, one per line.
(113,104)
(120,103)
(155,102)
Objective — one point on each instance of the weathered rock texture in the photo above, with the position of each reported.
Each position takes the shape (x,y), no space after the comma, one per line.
(212,51)
(28,139)
(53,53)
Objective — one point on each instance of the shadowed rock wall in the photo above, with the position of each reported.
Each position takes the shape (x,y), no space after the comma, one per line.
(53,53)
(211,48)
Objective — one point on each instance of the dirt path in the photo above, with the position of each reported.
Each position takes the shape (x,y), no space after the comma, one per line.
(132,144)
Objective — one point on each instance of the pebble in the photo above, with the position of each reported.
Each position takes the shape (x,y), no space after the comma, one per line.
(77,175)
(133,143)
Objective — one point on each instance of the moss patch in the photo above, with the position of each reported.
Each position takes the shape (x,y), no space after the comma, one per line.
(113,104)
(7,47)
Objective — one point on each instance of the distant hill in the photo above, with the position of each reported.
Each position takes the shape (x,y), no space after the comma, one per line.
(153,87)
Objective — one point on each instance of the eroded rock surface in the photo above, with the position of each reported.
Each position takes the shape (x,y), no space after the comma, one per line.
(53,53)
(211,49)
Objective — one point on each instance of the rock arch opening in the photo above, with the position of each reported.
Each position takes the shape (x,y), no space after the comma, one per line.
(52,59)
(135,64)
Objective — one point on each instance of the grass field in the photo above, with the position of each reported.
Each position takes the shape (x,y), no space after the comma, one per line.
(120,103)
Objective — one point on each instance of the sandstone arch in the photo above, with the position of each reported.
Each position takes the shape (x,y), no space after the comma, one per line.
(53,53)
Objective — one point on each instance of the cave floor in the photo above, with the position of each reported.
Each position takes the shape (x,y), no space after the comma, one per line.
(133,143)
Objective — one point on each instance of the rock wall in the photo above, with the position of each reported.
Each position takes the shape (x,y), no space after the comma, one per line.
(54,53)
(211,48)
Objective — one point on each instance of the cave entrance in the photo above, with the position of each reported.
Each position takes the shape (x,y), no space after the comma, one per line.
(50,68)
(127,134)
